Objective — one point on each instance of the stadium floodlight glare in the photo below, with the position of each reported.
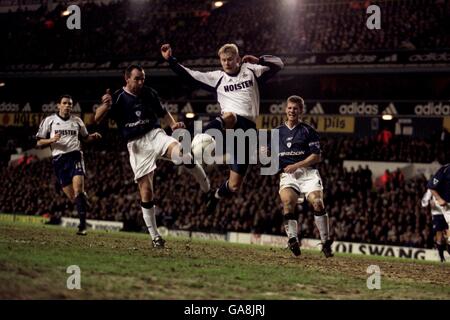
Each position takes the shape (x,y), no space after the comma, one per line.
(387,117)
(65,13)
(190,115)
(218,4)
(2,84)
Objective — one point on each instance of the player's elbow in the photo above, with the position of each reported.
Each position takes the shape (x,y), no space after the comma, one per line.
(97,118)
(317,158)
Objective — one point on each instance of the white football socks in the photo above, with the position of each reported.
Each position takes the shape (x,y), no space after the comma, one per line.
(291,229)
(323,226)
(150,221)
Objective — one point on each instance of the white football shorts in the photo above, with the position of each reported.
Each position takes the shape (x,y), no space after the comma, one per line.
(445,211)
(146,150)
(304,181)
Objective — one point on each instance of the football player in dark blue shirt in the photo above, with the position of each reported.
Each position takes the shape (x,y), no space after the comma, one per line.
(136,109)
(299,151)
(439,186)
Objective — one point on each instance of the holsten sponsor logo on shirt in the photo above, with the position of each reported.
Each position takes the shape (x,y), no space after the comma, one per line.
(66,132)
(238,86)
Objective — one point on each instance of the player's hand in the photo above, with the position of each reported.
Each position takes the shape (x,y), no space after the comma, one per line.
(56,137)
(95,136)
(166,51)
(250,59)
(291,168)
(177,125)
(107,99)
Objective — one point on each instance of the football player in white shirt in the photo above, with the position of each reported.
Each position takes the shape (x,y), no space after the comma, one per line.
(440,224)
(61,132)
(237,89)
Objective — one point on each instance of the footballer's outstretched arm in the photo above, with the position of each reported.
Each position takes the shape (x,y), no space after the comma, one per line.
(103,109)
(267,66)
(207,80)
(92,137)
(173,124)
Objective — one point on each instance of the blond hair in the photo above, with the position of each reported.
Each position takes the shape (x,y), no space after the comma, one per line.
(298,100)
(228,48)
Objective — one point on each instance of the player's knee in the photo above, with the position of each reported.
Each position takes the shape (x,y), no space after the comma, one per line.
(234,186)
(229,119)
(318,205)
(288,205)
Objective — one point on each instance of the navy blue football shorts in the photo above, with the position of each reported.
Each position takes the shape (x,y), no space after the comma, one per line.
(246,125)
(68,165)
(439,223)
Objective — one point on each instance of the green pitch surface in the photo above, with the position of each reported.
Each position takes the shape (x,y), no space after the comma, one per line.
(34,260)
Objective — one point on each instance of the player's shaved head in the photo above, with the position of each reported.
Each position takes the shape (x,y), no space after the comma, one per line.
(230,48)
(130,69)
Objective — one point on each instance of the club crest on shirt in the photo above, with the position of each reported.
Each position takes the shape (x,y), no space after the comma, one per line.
(289,144)
(435,181)
(138,113)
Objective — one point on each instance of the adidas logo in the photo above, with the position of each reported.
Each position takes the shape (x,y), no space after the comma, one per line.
(390,109)
(317,109)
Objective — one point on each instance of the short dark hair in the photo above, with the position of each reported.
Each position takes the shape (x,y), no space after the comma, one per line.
(68,96)
(130,69)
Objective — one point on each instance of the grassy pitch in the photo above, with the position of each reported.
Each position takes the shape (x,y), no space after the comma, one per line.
(34,259)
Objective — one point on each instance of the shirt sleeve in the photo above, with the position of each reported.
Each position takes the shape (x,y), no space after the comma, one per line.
(314,141)
(268,66)
(426,199)
(207,80)
(44,129)
(83,130)
(436,179)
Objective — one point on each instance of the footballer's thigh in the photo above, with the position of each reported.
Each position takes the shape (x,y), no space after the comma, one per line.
(288,198)
(311,185)
(173,151)
(229,120)
(235,181)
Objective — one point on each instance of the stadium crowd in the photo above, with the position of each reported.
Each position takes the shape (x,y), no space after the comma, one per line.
(359,210)
(286,27)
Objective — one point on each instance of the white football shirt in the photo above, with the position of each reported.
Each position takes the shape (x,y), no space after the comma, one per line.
(69,129)
(237,93)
